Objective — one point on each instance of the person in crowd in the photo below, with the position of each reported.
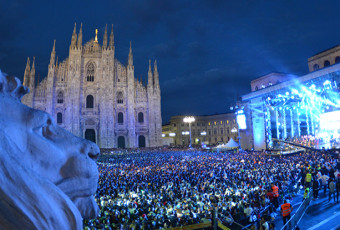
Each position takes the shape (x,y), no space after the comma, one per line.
(275,195)
(315,189)
(306,193)
(286,210)
(308,179)
(324,182)
(331,189)
(337,189)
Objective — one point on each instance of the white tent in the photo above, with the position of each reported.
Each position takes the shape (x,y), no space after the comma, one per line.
(231,144)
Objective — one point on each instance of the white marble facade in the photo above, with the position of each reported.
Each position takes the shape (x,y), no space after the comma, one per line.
(92,95)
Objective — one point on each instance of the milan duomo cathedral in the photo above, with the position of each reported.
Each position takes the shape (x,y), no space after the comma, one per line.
(94,96)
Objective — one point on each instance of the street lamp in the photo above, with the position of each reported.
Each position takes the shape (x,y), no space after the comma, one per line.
(189,120)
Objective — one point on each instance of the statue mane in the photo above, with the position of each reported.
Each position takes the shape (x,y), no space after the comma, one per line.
(12,86)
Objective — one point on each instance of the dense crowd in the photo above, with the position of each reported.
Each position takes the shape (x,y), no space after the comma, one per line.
(159,189)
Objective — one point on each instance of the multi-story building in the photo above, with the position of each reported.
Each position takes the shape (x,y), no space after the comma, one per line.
(210,129)
(95,96)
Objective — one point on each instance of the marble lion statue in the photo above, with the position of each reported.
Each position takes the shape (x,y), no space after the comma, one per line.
(48,176)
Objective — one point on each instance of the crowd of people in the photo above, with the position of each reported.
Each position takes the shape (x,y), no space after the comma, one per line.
(160,188)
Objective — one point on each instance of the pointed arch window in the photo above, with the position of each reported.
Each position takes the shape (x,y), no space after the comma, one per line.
(120,118)
(140,117)
(120,97)
(89,101)
(60,97)
(59,118)
(90,72)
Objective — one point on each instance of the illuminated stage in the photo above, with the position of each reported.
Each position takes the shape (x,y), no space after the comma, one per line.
(305,111)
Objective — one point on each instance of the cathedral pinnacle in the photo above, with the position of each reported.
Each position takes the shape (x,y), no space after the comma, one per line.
(105,38)
(155,67)
(74,36)
(52,59)
(111,39)
(53,49)
(32,75)
(27,73)
(33,66)
(155,74)
(28,64)
(130,61)
(150,77)
(80,36)
(150,66)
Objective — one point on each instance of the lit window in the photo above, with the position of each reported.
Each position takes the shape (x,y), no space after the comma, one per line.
(227,121)
(209,123)
(221,122)
(214,122)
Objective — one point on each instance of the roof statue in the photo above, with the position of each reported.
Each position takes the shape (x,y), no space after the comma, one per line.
(47,175)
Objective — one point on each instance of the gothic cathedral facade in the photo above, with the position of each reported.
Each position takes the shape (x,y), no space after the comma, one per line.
(92,95)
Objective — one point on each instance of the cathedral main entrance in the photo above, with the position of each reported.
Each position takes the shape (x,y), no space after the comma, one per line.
(141,141)
(90,135)
(121,142)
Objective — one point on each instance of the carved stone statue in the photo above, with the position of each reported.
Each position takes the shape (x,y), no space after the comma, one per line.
(47,175)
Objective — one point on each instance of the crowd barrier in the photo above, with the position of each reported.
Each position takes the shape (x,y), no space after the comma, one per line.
(193,226)
(295,219)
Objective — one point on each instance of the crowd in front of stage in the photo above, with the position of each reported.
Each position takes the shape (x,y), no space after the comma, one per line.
(160,188)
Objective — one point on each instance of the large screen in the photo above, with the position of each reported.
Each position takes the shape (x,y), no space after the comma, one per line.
(330,121)
(241,121)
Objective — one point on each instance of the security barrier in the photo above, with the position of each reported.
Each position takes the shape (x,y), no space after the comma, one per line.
(295,219)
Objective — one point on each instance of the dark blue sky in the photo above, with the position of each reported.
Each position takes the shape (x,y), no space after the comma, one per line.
(207,51)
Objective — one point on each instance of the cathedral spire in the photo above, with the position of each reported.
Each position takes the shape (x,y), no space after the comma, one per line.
(155,75)
(150,77)
(32,75)
(74,36)
(52,59)
(105,38)
(130,61)
(33,66)
(27,73)
(111,45)
(80,36)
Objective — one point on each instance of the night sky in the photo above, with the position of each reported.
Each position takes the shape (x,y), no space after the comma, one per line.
(207,51)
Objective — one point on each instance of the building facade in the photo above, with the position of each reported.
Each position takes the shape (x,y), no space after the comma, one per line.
(306,106)
(211,129)
(95,96)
